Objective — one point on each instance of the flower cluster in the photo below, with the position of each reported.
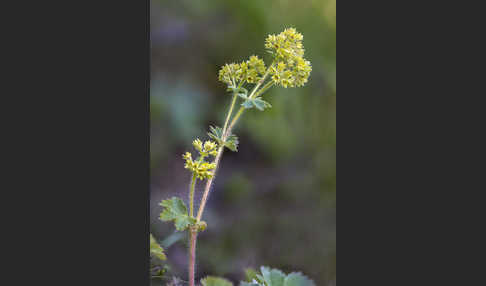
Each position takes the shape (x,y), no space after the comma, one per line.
(229,73)
(209,148)
(250,71)
(253,69)
(286,45)
(291,68)
(202,169)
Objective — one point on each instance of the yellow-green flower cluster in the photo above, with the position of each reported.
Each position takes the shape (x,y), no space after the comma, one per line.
(230,73)
(291,68)
(202,169)
(250,71)
(209,147)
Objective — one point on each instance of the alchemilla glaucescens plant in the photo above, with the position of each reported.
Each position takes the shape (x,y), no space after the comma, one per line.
(288,68)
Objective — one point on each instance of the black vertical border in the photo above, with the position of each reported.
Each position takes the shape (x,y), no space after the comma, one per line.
(77,152)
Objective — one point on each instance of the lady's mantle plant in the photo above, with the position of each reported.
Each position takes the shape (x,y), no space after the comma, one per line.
(288,68)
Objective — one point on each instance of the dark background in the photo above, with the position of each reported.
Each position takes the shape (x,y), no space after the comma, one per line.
(273,202)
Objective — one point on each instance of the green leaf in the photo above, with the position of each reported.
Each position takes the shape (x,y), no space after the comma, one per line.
(175,210)
(273,277)
(247,104)
(261,104)
(155,249)
(297,279)
(232,142)
(216,133)
(257,102)
(215,281)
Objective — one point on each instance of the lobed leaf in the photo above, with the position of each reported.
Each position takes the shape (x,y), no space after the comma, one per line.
(275,277)
(261,104)
(297,279)
(232,143)
(216,133)
(175,210)
(247,104)
(257,102)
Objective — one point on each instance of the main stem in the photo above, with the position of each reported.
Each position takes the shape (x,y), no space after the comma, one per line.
(192,233)
(209,182)
(192,255)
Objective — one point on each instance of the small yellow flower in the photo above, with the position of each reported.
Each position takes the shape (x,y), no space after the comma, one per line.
(187,156)
(197,144)
(209,145)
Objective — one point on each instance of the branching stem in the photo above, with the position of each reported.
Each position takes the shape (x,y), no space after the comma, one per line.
(226,131)
(253,94)
(235,96)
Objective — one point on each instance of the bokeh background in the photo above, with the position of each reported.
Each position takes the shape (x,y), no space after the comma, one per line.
(274,201)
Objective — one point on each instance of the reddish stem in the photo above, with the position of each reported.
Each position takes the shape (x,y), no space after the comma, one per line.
(192,256)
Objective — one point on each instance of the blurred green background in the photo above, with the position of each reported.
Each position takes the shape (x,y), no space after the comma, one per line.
(273,202)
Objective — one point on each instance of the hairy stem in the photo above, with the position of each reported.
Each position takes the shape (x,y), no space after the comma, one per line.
(191,195)
(192,256)
(193,232)
(235,96)
(265,88)
(235,119)
(208,184)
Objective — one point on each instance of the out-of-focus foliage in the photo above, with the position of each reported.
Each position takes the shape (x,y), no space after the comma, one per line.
(155,249)
(215,281)
(158,268)
(267,277)
(275,277)
(273,202)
